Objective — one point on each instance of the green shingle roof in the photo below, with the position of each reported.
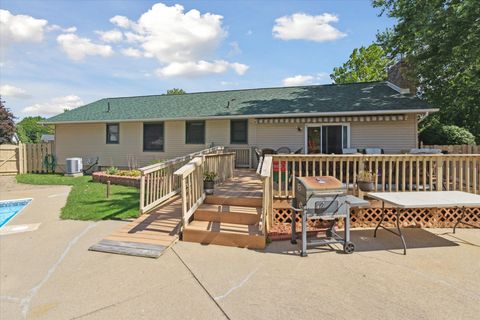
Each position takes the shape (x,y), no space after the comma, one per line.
(288,101)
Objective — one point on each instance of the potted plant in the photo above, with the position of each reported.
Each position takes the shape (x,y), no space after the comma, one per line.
(366,181)
(209,182)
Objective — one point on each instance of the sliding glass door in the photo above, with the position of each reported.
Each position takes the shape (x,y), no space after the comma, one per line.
(327,139)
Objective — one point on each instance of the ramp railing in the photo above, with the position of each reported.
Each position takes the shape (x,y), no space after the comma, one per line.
(158,182)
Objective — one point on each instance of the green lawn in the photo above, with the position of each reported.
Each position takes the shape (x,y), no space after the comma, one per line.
(87,200)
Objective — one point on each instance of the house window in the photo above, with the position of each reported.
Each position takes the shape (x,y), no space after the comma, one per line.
(195,132)
(113,133)
(238,131)
(153,137)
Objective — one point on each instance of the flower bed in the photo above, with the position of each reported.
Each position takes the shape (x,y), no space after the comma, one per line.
(103,177)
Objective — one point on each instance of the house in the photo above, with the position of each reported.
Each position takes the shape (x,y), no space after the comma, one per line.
(317,118)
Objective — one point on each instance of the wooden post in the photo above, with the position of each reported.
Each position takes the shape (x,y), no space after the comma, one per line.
(108,189)
(142,192)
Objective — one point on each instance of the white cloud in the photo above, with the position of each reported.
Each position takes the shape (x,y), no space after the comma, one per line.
(172,35)
(56,27)
(20,28)
(306,27)
(183,42)
(239,68)
(199,68)
(121,21)
(111,35)
(78,48)
(54,106)
(298,80)
(7,90)
(301,80)
(132,52)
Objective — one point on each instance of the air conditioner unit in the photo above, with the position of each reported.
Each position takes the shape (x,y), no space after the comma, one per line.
(74,167)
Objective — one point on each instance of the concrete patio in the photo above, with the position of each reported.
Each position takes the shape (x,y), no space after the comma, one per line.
(49,274)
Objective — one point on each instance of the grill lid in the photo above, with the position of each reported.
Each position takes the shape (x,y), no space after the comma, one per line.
(321,183)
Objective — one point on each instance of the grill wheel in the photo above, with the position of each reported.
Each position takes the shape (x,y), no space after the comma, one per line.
(349,248)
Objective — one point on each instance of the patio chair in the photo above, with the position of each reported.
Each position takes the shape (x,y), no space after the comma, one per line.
(284,150)
(268,151)
(374,151)
(349,150)
(258,153)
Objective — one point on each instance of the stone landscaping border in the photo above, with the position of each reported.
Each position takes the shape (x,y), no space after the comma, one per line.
(103,177)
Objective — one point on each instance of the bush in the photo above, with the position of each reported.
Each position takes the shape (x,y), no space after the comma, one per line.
(438,134)
(112,170)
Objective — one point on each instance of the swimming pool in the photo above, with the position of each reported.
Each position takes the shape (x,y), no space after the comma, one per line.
(9,208)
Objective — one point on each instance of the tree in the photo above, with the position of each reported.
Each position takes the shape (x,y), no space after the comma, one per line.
(364,65)
(7,125)
(440,39)
(30,131)
(175,91)
(435,132)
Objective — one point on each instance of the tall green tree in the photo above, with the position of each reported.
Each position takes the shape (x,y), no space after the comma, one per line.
(7,124)
(176,91)
(364,65)
(30,131)
(440,39)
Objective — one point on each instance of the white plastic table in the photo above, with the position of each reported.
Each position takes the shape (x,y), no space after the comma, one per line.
(422,199)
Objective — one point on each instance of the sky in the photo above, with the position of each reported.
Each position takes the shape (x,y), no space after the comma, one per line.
(57,55)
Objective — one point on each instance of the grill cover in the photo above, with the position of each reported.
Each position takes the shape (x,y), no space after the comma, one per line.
(320,196)
(307,187)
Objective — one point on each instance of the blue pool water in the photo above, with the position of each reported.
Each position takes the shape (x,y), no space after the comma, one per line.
(9,208)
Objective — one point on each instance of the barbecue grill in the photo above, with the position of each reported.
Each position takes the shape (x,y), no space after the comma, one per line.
(323,198)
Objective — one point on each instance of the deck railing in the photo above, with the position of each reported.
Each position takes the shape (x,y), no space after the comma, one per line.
(191,179)
(265,171)
(391,172)
(243,156)
(222,164)
(158,183)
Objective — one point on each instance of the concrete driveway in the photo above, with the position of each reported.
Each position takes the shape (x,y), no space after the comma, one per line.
(49,274)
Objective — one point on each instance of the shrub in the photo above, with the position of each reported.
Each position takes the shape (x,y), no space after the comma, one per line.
(129,173)
(438,134)
(112,170)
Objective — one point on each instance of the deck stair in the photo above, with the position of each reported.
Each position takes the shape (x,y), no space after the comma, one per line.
(227,220)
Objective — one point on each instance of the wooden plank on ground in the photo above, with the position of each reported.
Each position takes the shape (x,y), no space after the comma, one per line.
(129,248)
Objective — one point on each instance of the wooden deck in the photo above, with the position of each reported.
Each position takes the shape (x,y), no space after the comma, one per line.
(152,233)
(245,184)
(161,226)
(147,236)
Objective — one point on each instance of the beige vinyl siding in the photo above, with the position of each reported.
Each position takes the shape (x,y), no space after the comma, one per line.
(392,136)
(89,140)
(280,135)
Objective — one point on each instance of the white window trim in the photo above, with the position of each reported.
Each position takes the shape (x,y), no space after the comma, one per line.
(305,140)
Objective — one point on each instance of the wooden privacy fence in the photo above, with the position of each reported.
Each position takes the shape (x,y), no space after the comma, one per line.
(456,149)
(25,158)
(12,159)
(391,172)
(158,182)
(191,179)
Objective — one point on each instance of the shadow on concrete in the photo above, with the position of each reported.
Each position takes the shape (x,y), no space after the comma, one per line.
(365,242)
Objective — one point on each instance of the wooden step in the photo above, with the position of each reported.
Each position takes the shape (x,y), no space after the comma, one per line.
(228,214)
(225,234)
(234,201)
